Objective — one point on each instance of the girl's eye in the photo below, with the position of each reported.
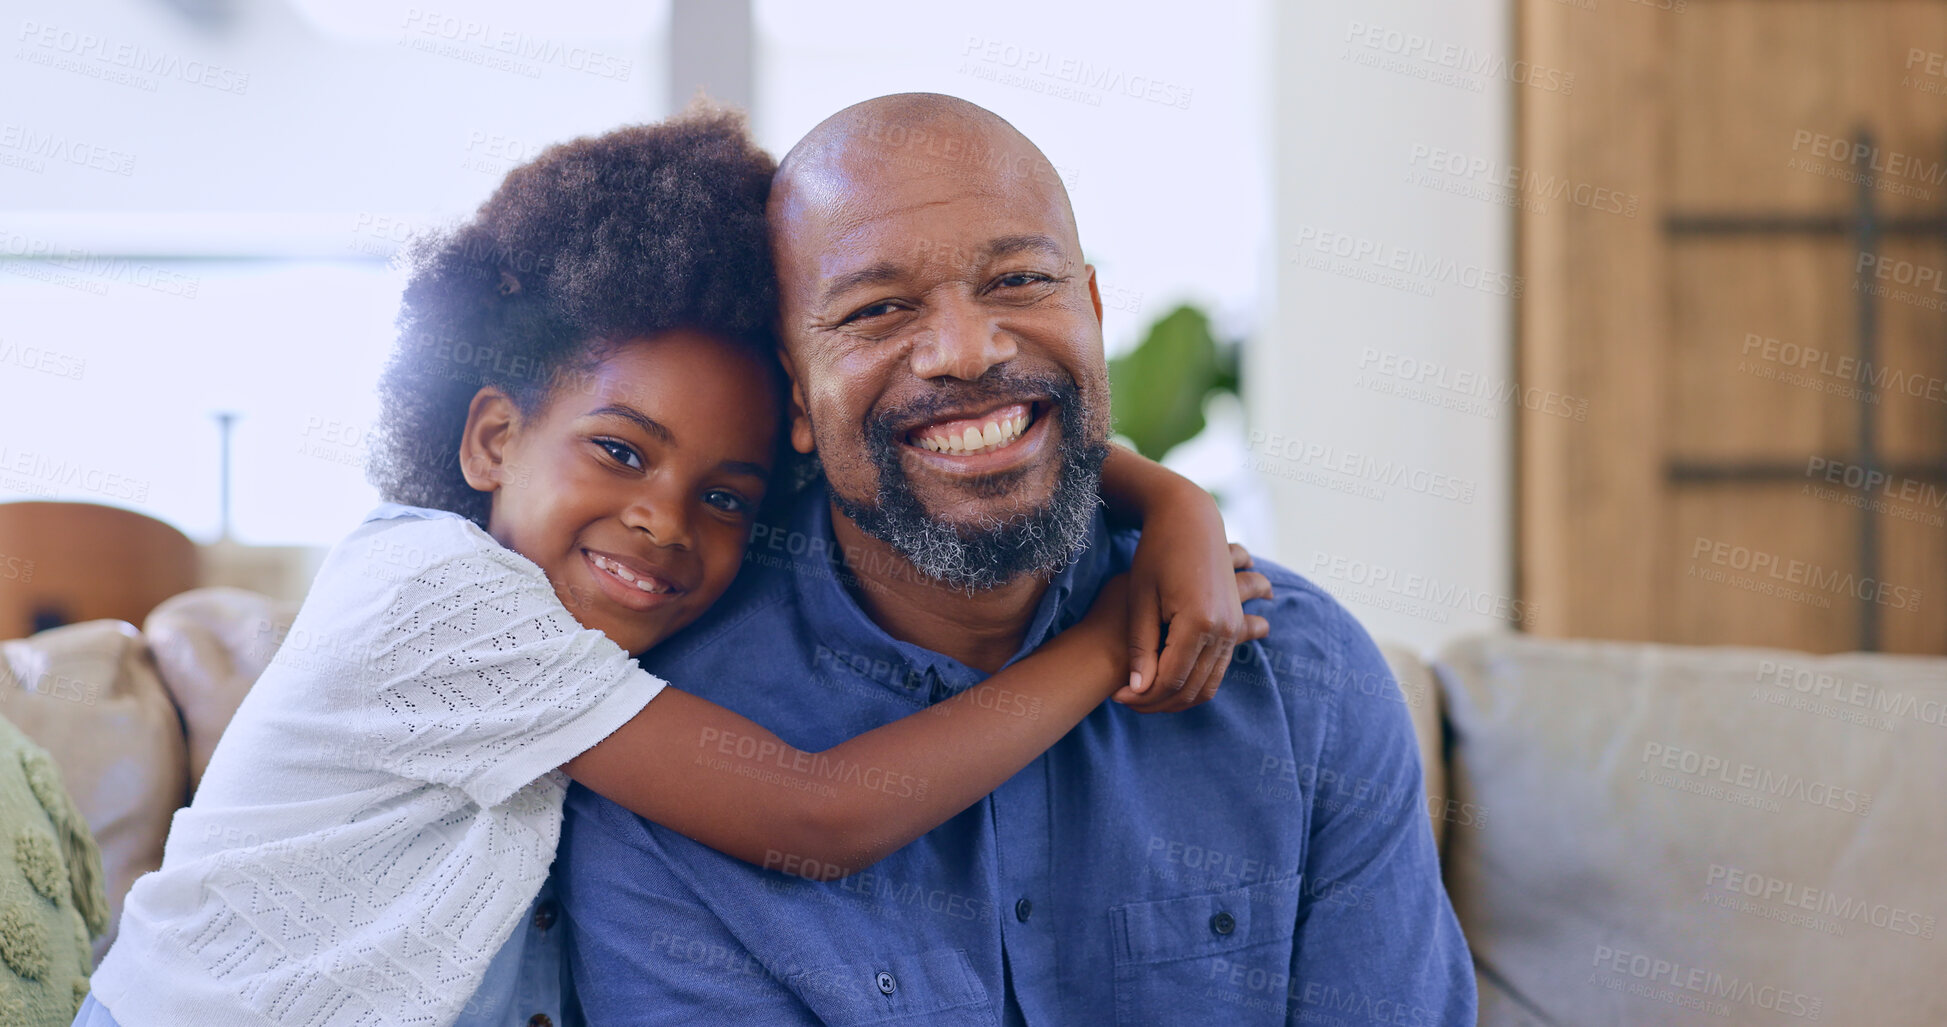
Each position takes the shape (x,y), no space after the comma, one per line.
(622,452)
(728,502)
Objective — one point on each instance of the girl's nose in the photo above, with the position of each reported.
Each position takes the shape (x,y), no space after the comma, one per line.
(664,518)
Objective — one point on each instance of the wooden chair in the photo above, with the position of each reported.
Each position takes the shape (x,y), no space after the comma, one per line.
(63,563)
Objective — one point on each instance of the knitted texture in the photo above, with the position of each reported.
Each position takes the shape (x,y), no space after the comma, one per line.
(50,889)
(385,804)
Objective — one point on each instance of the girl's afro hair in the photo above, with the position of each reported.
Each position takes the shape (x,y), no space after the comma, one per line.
(600,240)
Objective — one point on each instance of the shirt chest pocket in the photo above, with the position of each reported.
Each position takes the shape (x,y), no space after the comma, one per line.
(937,986)
(1224,956)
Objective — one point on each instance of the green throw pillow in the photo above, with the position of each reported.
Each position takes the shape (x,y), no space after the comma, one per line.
(51,900)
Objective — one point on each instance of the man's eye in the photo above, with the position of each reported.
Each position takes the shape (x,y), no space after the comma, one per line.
(879,309)
(728,502)
(1018,279)
(623,453)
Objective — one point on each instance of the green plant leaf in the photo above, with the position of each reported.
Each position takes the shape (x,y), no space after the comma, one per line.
(1158,389)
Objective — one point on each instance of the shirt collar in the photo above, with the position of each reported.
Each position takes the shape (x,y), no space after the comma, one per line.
(836,620)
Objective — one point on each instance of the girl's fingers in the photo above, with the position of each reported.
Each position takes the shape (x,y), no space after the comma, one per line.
(1199,678)
(1175,671)
(1240,557)
(1145,634)
(1185,644)
(1252,585)
(1219,666)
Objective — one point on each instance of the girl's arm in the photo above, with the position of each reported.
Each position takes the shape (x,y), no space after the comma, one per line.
(703,771)
(1178,580)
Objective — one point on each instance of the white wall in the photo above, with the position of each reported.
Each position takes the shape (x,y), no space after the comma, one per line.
(1374,364)
(1242,103)
(340,134)
(320,132)
(1153,111)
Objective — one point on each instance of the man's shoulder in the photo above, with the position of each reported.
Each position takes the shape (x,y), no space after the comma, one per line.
(1292,590)
(1298,610)
(1318,656)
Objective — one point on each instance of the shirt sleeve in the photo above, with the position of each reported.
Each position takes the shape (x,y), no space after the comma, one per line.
(1377,940)
(486,682)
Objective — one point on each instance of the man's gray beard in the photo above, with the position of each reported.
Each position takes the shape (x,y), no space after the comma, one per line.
(996,551)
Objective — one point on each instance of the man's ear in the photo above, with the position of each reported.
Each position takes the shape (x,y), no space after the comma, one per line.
(800,421)
(1094,292)
(491,420)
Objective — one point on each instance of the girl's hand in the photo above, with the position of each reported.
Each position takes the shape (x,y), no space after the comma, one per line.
(1107,622)
(1187,578)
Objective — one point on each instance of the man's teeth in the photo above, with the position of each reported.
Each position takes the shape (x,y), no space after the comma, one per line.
(994,435)
(644,583)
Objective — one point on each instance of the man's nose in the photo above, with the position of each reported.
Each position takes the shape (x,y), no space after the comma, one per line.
(964,343)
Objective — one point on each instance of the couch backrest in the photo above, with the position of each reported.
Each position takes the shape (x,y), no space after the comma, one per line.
(1699,835)
(210,645)
(131,717)
(89,695)
(1422,696)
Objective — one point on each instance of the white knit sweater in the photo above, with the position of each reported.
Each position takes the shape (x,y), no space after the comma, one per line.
(385,804)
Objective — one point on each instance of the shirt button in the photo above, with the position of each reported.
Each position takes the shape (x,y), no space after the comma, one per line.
(544,915)
(539,1020)
(1023,909)
(886,984)
(1223,923)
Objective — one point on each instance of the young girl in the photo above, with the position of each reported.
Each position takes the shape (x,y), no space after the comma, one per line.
(578,447)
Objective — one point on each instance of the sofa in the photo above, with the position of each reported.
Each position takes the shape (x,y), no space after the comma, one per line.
(131,715)
(1648,834)
(1630,833)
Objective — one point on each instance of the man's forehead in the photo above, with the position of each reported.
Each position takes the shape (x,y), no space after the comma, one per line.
(940,143)
(883,160)
(863,207)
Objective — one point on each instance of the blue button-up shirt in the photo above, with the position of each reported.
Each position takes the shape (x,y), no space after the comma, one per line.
(1263,858)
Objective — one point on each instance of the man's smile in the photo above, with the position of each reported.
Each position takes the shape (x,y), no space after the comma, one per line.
(982,441)
(980,433)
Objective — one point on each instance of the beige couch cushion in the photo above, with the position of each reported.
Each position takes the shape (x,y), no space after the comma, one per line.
(88,695)
(1700,836)
(1423,702)
(210,644)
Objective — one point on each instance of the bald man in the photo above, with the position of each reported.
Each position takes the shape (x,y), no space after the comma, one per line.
(1262,858)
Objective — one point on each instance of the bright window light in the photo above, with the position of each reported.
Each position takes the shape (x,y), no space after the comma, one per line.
(113,371)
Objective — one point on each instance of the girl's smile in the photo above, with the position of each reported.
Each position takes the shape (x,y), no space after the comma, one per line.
(635,488)
(630,582)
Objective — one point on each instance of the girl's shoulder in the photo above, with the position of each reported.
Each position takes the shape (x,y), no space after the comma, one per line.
(400,549)
(405,535)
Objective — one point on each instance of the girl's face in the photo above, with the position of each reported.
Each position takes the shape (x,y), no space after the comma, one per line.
(635,486)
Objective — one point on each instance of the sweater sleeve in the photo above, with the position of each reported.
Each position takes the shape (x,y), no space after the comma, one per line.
(485,681)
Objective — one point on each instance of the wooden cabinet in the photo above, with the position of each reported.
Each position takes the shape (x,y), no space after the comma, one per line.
(1761,343)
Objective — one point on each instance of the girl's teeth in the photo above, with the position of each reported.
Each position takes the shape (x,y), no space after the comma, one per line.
(645,584)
